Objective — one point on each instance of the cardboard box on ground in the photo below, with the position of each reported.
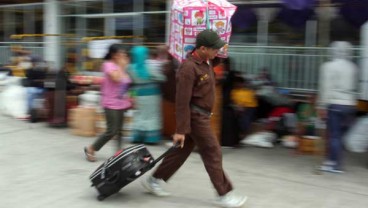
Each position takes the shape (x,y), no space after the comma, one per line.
(82,121)
(314,145)
(90,121)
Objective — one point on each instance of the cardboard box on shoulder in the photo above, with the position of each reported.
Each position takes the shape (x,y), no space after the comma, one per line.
(188,18)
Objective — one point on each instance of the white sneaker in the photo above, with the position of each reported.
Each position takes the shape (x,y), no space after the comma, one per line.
(231,200)
(331,169)
(328,163)
(153,185)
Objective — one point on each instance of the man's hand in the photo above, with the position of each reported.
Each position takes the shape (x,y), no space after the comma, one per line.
(179,139)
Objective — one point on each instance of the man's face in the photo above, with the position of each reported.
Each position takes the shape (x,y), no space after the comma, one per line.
(209,53)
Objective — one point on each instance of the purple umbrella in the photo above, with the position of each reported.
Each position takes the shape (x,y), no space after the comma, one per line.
(355,11)
(295,18)
(299,4)
(244,17)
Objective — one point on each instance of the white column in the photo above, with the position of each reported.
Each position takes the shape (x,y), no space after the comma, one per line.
(325,14)
(9,24)
(364,63)
(265,15)
(168,20)
(51,25)
(262,32)
(109,27)
(311,33)
(138,20)
(29,21)
(81,28)
(81,21)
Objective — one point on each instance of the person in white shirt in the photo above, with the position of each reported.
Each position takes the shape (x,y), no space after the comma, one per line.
(337,101)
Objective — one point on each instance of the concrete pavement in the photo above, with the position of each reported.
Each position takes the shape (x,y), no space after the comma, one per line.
(44,167)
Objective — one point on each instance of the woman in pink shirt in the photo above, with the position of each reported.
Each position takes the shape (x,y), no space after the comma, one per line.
(114,97)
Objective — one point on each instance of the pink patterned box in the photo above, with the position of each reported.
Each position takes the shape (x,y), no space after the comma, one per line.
(189,17)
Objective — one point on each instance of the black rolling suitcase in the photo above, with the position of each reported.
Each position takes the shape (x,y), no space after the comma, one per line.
(122,168)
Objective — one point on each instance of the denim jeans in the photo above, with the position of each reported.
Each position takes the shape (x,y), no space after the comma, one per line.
(33,93)
(339,119)
(245,119)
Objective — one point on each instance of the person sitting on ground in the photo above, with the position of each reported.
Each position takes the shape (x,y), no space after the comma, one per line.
(307,115)
(34,81)
(245,103)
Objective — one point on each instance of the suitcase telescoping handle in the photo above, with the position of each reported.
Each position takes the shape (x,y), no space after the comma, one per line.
(171,149)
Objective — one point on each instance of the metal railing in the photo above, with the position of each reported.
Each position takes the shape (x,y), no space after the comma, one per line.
(294,68)
(35,48)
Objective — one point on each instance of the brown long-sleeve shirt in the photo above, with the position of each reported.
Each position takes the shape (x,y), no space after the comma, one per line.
(195,84)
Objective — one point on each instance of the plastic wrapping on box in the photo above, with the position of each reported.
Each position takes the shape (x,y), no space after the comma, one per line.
(189,17)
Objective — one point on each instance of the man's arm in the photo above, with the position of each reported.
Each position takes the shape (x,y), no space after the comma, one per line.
(184,87)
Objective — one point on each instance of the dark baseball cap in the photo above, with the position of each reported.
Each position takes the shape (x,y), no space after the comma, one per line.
(210,39)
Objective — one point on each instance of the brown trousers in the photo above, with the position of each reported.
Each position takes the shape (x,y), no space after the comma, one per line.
(209,149)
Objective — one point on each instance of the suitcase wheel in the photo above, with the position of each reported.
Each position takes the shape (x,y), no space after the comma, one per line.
(100,197)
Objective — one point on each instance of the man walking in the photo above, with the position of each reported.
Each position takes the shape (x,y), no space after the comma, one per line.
(195,96)
(337,101)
